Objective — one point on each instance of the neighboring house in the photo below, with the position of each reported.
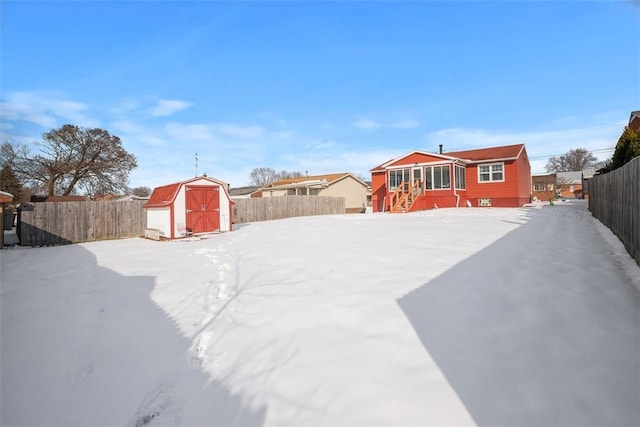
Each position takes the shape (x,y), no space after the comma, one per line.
(198,205)
(498,176)
(368,193)
(132,198)
(569,184)
(242,192)
(634,121)
(544,187)
(587,174)
(4,199)
(346,185)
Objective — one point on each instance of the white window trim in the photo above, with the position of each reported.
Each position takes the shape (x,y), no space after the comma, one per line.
(403,169)
(491,180)
(433,177)
(455,176)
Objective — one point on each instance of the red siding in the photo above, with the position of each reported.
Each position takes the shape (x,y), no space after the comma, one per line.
(378,191)
(514,191)
(432,199)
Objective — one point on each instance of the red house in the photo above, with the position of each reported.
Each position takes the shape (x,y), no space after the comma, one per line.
(498,176)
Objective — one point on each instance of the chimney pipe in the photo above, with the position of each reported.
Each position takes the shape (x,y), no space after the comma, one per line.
(440,148)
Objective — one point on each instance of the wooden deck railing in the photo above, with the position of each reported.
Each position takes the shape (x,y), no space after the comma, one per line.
(404,196)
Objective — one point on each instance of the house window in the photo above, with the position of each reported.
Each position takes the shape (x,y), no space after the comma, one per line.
(539,187)
(461,178)
(396,177)
(314,191)
(491,172)
(437,177)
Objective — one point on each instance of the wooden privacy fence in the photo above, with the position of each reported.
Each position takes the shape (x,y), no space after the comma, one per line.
(51,223)
(269,208)
(614,198)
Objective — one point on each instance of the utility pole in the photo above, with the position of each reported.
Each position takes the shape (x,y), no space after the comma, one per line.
(196,164)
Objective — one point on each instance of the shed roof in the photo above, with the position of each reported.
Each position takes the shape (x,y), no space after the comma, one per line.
(165,195)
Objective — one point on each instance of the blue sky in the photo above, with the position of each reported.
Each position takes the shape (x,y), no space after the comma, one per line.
(323,87)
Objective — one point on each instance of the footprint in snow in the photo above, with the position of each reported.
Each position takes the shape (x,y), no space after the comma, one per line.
(159,406)
(82,374)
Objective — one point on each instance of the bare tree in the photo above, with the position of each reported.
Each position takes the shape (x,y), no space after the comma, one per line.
(141,191)
(10,183)
(72,157)
(283,174)
(574,160)
(262,176)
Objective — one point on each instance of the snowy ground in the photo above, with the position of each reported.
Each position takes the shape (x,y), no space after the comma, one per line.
(446,317)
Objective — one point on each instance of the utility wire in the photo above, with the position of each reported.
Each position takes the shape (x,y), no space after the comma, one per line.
(599,150)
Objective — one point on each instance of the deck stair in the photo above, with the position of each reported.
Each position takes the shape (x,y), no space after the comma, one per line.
(404,196)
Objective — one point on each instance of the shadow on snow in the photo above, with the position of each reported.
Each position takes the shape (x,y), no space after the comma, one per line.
(83,345)
(539,328)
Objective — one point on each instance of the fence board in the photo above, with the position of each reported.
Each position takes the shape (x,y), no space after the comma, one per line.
(270,208)
(52,223)
(614,199)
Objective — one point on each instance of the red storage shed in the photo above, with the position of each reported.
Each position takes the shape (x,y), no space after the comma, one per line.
(198,205)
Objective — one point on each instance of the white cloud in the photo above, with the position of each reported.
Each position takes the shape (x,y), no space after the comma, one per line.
(152,141)
(125,107)
(189,132)
(319,144)
(167,107)
(127,126)
(540,145)
(44,109)
(368,124)
(243,132)
(133,134)
(356,162)
(405,124)
(283,134)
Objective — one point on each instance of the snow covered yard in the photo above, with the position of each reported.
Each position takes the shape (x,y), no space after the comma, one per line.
(445,317)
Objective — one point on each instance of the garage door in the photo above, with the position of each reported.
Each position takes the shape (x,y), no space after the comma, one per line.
(203,208)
